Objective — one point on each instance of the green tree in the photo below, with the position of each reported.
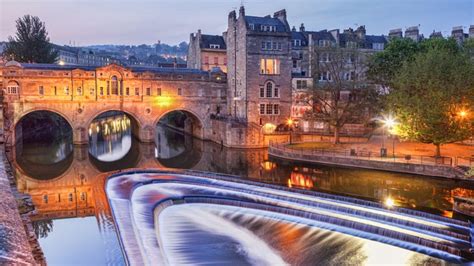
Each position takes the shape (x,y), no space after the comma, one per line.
(432,96)
(31,42)
(383,66)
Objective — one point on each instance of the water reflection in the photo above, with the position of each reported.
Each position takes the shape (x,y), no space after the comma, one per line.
(73,188)
(110,136)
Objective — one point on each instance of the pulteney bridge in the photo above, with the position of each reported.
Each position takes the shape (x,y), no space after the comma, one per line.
(81,93)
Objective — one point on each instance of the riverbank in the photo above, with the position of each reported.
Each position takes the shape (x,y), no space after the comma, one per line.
(15,248)
(353,158)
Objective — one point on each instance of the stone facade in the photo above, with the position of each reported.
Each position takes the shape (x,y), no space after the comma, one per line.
(79,94)
(259,68)
(206,52)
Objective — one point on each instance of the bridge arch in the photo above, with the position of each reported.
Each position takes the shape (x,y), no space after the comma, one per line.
(137,123)
(194,124)
(17,132)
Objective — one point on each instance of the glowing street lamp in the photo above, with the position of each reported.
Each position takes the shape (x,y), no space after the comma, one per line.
(290,125)
(389,123)
(463,114)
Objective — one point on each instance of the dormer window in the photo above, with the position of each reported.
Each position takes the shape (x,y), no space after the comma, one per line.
(214,46)
(296,43)
(324,43)
(252,26)
(267,28)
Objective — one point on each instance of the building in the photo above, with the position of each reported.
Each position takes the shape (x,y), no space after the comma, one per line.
(458,34)
(206,52)
(310,51)
(413,33)
(259,69)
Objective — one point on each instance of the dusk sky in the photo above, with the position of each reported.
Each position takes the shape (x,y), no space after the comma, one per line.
(145,21)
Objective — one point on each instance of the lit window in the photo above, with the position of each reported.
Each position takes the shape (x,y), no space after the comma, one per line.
(269,66)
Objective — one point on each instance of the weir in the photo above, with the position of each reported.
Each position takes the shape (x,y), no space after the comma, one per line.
(138,199)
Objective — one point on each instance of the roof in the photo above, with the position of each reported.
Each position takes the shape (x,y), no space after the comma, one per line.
(207,40)
(298,35)
(267,21)
(321,35)
(139,69)
(375,39)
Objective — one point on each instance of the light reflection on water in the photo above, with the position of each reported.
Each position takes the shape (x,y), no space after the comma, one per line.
(111,140)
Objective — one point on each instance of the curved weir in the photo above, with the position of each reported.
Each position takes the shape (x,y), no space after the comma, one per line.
(173,217)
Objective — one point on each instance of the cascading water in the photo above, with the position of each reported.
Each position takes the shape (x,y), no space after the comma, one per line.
(235,218)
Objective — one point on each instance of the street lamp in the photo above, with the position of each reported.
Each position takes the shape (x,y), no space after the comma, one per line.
(463,114)
(389,123)
(289,122)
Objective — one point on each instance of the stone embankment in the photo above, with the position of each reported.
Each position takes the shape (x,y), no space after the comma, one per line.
(16,234)
(376,163)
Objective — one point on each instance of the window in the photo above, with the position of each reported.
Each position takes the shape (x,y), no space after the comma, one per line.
(214,46)
(262,109)
(41,90)
(137,91)
(324,43)
(269,45)
(301,84)
(269,109)
(269,90)
(274,46)
(269,66)
(101,91)
(264,45)
(92,91)
(148,91)
(216,60)
(324,76)
(262,92)
(276,92)
(295,64)
(378,46)
(55,90)
(70,197)
(206,60)
(158,91)
(45,198)
(324,57)
(180,91)
(225,61)
(114,85)
(252,26)
(279,46)
(296,43)
(83,196)
(127,91)
(276,109)
(13,87)
(66,90)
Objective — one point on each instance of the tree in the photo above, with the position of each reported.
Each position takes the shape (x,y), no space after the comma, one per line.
(31,43)
(341,93)
(433,95)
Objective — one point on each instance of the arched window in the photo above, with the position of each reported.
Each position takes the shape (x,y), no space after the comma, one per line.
(13,87)
(114,84)
(269,89)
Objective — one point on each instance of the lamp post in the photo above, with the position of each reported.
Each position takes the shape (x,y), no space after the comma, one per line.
(290,125)
(389,123)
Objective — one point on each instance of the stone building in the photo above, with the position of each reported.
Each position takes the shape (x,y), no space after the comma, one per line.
(312,49)
(259,68)
(206,52)
(458,34)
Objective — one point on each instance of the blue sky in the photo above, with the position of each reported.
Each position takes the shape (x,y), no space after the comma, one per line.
(146,21)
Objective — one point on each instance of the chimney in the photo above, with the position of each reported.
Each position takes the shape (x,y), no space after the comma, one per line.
(281,15)
(471,31)
(360,32)
(302,27)
(293,29)
(242,11)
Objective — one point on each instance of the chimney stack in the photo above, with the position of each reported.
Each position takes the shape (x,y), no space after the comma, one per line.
(302,27)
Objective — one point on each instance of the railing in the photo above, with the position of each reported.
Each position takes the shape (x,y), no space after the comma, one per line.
(463,162)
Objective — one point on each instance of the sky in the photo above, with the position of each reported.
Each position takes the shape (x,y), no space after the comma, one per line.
(86,22)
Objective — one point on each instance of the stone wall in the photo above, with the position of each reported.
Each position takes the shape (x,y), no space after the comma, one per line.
(410,168)
(15,247)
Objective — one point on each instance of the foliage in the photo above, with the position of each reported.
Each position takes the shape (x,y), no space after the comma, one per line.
(430,92)
(345,97)
(31,43)
(470,172)
(42,228)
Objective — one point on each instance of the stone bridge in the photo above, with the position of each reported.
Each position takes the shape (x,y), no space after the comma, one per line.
(81,93)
